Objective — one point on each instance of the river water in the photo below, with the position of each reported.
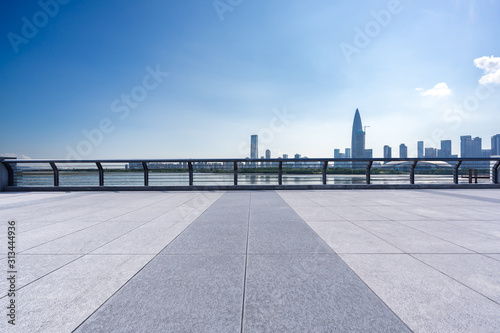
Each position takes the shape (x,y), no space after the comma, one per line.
(68,178)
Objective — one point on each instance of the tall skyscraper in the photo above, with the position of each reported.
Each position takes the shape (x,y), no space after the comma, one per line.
(445,148)
(254,146)
(387,152)
(495,145)
(254,149)
(420,149)
(470,147)
(403,151)
(358,140)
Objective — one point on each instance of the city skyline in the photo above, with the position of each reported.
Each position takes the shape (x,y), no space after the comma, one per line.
(469,147)
(184,79)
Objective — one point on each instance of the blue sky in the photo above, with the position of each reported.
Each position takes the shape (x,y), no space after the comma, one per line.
(195,78)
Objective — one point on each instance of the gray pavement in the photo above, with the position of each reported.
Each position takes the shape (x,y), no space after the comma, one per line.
(255,261)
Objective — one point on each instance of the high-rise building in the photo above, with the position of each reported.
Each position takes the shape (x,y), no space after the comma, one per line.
(486,153)
(387,152)
(358,140)
(495,145)
(470,147)
(420,149)
(336,154)
(445,148)
(347,154)
(254,146)
(268,156)
(430,152)
(254,149)
(285,156)
(297,163)
(369,153)
(403,151)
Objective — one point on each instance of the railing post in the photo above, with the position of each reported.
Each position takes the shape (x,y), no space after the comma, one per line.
(494,170)
(4,175)
(475,176)
(455,172)
(235,168)
(190,168)
(325,166)
(56,173)
(470,176)
(10,174)
(412,172)
(146,173)
(101,173)
(280,173)
(368,172)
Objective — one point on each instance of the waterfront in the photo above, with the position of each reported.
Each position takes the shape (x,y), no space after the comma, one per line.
(70,178)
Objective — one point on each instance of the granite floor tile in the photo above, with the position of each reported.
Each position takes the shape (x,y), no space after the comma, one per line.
(471,240)
(62,300)
(149,238)
(409,239)
(311,293)
(177,293)
(476,271)
(203,237)
(33,267)
(87,240)
(424,298)
(284,237)
(346,237)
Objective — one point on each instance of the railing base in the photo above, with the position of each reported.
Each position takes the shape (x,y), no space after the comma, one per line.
(249,187)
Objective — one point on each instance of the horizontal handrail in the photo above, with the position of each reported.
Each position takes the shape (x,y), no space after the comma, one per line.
(213,160)
(235,164)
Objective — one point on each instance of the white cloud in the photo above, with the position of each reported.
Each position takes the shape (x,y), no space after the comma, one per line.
(15,155)
(439,90)
(491,67)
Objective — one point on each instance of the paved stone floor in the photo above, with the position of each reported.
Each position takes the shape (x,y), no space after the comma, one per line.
(260,261)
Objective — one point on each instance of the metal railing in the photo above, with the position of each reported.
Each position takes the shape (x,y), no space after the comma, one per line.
(271,166)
